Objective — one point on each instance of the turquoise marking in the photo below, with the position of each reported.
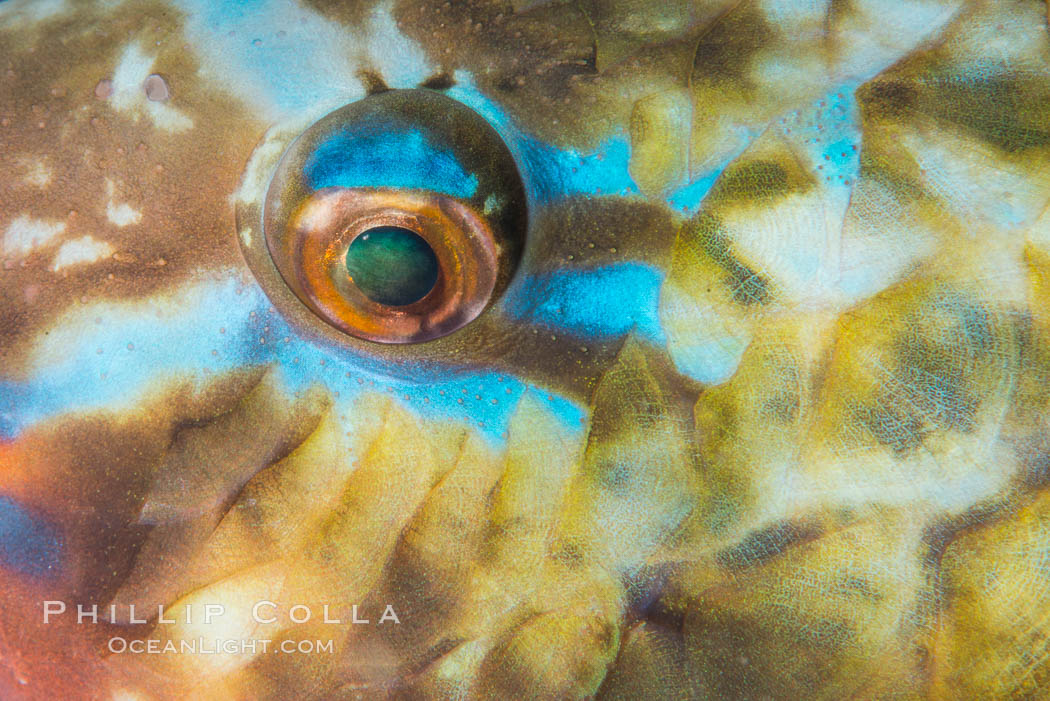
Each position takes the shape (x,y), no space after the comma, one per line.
(550,173)
(689,198)
(387,155)
(187,344)
(592,303)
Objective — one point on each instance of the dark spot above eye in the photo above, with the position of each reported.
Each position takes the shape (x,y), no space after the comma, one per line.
(373,82)
(441,81)
(509,83)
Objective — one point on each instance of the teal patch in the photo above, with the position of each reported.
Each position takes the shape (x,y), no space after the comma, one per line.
(392,266)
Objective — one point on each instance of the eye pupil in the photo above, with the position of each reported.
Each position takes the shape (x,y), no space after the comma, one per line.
(392,265)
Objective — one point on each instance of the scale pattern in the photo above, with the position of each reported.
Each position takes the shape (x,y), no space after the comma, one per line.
(763,413)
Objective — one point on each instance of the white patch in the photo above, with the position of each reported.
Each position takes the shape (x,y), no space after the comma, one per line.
(975,180)
(879,244)
(394,56)
(120,214)
(1039,234)
(38,174)
(23,12)
(129,93)
(288,62)
(125,695)
(492,203)
(874,33)
(794,17)
(25,234)
(78,251)
(264,159)
(704,343)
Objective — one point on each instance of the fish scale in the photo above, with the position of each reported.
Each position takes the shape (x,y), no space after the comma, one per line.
(750,403)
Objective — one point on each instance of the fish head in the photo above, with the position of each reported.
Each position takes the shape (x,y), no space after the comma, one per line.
(523,349)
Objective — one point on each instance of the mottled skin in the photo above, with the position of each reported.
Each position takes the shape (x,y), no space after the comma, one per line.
(762,414)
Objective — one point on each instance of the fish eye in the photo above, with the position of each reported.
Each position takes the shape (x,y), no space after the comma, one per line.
(398,218)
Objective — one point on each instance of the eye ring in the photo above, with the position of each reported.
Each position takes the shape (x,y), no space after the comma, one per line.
(415,160)
(330,220)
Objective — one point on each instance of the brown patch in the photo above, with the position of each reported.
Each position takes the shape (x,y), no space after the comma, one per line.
(373,82)
(724,52)
(767,543)
(707,233)
(441,81)
(55,101)
(585,231)
(93,472)
(348,12)
(536,353)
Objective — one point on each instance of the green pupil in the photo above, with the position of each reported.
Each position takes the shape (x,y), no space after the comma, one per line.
(392,266)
